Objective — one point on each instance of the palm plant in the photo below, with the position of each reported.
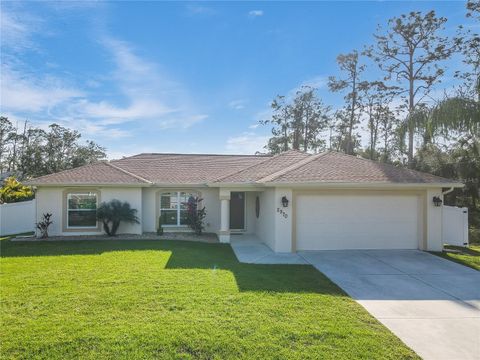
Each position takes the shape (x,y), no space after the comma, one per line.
(112,213)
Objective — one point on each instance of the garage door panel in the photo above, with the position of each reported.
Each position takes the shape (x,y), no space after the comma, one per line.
(356,222)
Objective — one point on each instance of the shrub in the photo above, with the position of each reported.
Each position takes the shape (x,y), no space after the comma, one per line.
(44,224)
(13,191)
(195,214)
(112,213)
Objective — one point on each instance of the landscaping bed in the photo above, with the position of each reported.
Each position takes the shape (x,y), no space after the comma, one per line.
(184,236)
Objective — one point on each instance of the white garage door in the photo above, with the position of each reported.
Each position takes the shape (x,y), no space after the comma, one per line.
(333,222)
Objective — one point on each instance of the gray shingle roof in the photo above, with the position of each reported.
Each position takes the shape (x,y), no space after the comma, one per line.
(193,169)
(185,168)
(98,173)
(335,167)
(265,168)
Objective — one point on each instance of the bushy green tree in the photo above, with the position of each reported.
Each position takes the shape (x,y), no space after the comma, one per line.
(13,191)
(298,122)
(33,152)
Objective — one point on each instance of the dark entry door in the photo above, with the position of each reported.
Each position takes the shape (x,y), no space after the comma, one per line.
(237,210)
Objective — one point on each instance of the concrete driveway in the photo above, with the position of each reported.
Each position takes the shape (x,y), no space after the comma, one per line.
(431,304)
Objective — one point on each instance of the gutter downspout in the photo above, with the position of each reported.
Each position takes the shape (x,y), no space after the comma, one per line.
(448,191)
(36,210)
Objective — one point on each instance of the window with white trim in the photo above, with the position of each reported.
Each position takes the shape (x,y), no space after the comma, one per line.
(173,208)
(82,210)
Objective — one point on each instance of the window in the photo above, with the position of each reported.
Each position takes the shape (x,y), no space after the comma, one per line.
(82,210)
(173,208)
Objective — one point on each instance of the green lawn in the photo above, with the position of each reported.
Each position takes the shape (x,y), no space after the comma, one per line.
(175,300)
(469,256)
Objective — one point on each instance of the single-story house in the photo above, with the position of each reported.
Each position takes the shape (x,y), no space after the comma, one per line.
(291,201)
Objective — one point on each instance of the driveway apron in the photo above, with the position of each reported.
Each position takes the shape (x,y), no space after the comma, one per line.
(431,304)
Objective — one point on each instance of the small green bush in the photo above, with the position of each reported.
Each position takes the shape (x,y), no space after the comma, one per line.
(195,214)
(14,191)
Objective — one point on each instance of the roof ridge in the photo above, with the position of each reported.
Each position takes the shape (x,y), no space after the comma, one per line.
(246,168)
(279,173)
(128,173)
(196,154)
(402,168)
(67,170)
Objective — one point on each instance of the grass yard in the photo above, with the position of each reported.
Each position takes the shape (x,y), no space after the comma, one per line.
(175,300)
(469,256)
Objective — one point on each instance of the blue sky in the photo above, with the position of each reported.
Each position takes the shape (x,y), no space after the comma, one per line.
(180,76)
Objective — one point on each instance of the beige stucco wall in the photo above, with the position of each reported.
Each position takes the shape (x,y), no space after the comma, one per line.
(276,224)
(272,227)
(51,200)
(265,224)
(150,206)
(131,195)
(433,221)
(283,220)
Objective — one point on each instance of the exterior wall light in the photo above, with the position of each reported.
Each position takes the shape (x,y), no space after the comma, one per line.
(284,201)
(437,201)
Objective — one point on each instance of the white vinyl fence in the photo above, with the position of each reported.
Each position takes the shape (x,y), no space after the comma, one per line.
(455,225)
(17,218)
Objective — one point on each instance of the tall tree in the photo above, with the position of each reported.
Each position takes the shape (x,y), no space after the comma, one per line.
(280,122)
(376,98)
(311,118)
(345,135)
(471,49)
(409,53)
(35,152)
(458,114)
(388,129)
(6,132)
(298,123)
(351,68)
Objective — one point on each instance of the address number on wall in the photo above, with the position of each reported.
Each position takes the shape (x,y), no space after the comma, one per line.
(281,212)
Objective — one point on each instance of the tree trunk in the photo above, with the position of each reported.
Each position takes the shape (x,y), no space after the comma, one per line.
(305,139)
(411,107)
(115,225)
(352,113)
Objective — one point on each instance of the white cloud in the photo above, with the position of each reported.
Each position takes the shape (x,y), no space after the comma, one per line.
(90,128)
(264,114)
(200,10)
(149,96)
(246,143)
(254,126)
(238,104)
(114,114)
(22,92)
(317,82)
(17,29)
(255,13)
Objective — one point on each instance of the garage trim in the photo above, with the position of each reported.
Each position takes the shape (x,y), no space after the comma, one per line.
(422,207)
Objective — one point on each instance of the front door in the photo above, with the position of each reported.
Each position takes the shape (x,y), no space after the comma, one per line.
(237,210)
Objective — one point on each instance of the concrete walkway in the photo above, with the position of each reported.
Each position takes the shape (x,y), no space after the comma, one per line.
(249,249)
(431,304)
